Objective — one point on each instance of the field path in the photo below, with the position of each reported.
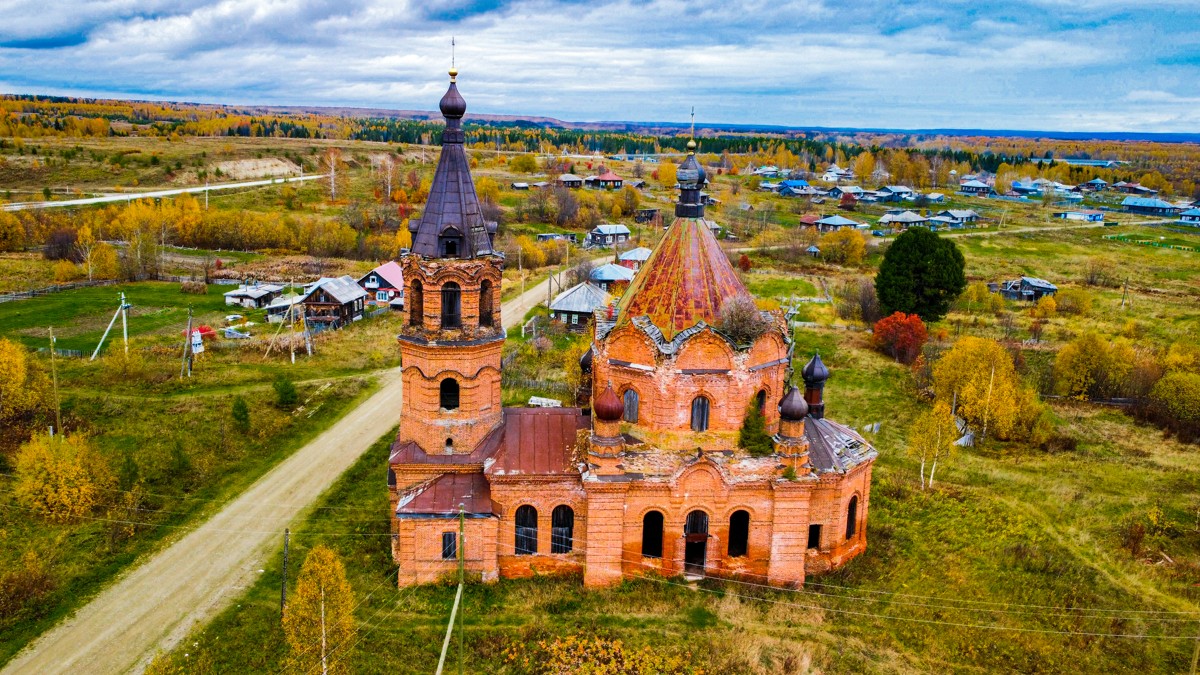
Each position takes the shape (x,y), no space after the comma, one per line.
(153,606)
(131,196)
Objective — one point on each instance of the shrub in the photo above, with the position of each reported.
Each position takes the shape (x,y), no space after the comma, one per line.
(753,436)
(900,336)
(741,320)
(1045,307)
(194,288)
(1074,301)
(286,395)
(845,246)
(22,587)
(744,263)
(1175,401)
(60,478)
(1092,367)
(241,414)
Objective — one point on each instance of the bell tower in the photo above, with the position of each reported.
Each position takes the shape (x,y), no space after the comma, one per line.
(452,339)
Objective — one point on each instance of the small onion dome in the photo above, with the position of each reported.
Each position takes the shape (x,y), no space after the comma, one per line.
(793,407)
(608,406)
(585,361)
(690,174)
(452,104)
(815,373)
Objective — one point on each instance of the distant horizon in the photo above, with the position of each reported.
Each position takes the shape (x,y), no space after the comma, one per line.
(1053,134)
(1067,65)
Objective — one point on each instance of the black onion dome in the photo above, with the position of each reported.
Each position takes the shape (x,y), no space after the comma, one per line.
(793,407)
(608,406)
(815,373)
(453,105)
(690,174)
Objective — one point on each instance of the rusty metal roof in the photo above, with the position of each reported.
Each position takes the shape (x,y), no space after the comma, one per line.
(409,452)
(684,281)
(441,496)
(539,441)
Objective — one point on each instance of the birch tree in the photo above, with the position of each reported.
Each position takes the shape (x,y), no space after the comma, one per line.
(931,439)
(319,619)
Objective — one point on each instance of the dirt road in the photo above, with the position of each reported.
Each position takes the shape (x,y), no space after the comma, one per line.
(153,606)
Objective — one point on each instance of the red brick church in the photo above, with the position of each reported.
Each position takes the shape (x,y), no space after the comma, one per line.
(651,479)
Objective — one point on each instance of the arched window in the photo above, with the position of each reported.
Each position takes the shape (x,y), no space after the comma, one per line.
(739,533)
(416,304)
(700,414)
(631,406)
(652,535)
(526,530)
(760,400)
(448,394)
(450,241)
(562,529)
(852,517)
(697,523)
(485,303)
(451,305)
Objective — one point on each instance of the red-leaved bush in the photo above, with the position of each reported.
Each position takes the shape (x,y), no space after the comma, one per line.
(900,336)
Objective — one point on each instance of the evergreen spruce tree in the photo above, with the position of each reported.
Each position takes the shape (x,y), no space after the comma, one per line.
(241,414)
(921,274)
(753,436)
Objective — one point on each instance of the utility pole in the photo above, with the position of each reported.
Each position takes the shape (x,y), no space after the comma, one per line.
(54,371)
(462,558)
(124,324)
(283,591)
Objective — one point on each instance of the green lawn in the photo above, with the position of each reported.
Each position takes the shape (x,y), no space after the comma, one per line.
(780,286)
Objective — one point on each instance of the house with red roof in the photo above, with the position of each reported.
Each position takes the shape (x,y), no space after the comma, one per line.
(384,285)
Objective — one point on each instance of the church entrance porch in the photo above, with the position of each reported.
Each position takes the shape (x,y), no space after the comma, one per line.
(695,536)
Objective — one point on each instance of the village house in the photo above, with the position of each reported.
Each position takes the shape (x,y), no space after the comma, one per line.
(1095,185)
(1133,189)
(1090,216)
(607,180)
(895,193)
(253,295)
(976,188)
(634,258)
(384,285)
(835,174)
(1190,217)
(960,216)
(608,234)
(575,306)
(333,302)
(838,190)
(650,479)
(1027,288)
(610,275)
(645,215)
(558,236)
(835,222)
(1150,206)
(570,180)
(935,198)
(902,219)
(286,308)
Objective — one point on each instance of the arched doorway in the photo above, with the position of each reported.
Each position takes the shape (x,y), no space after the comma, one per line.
(695,537)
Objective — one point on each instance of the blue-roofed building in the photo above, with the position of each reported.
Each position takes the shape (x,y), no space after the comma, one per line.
(634,258)
(1150,206)
(794,183)
(835,222)
(1095,185)
(1190,217)
(607,276)
(837,191)
(977,188)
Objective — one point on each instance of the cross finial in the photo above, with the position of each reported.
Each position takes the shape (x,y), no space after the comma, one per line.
(693,122)
(452,52)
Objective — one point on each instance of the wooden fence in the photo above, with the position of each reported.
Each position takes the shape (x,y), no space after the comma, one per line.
(36,292)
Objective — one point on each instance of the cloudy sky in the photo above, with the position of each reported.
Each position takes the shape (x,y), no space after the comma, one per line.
(1087,65)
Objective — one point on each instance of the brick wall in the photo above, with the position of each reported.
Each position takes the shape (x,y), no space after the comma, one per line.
(476,368)
(417,549)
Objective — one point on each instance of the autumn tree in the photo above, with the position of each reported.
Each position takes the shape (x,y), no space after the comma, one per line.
(978,376)
(1175,401)
(1044,308)
(23,385)
(1074,301)
(921,273)
(845,246)
(319,619)
(900,336)
(931,439)
(12,233)
(744,263)
(524,163)
(1092,367)
(667,172)
(61,478)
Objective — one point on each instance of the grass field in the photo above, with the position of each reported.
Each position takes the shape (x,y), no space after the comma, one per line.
(1012,564)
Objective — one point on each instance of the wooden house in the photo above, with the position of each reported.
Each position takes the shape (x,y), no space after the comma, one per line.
(384,285)
(1150,206)
(253,295)
(334,302)
(608,234)
(1027,288)
(574,306)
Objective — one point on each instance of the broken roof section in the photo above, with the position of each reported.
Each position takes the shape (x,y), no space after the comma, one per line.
(684,282)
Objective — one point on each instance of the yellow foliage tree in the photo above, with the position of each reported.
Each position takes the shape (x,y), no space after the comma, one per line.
(1045,307)
(105,264)
(12,233)
(61,478)
(931,438)
(65,270)
(667,172)
(979,376)
(22,387)
(319,619)
(845,245)
(1091,366)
